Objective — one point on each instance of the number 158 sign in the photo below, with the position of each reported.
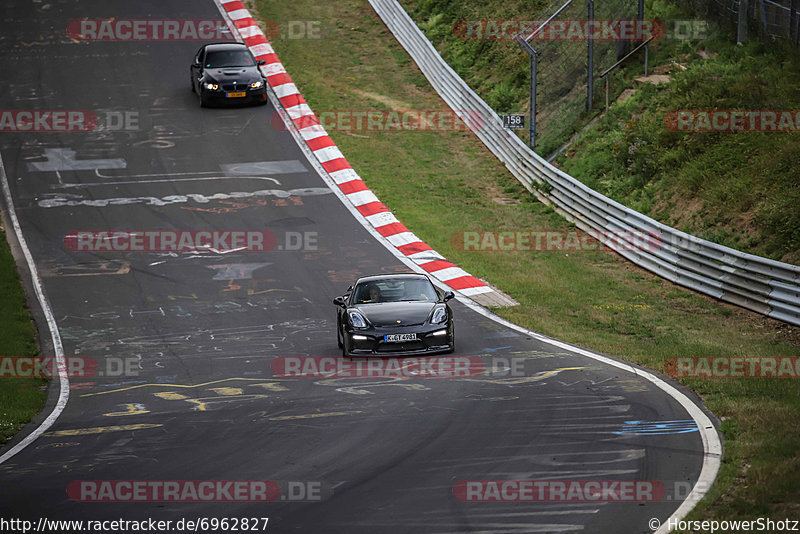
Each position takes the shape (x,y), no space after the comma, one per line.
(513,121)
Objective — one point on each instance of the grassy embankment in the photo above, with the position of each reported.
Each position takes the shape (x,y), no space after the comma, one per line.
(20,398)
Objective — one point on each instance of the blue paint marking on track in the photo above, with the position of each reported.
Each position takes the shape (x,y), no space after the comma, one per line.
(644,428)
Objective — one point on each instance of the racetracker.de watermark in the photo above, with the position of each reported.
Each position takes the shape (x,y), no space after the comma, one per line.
(173,490)
(60,120)
(188,29)
(705,121)
(189,241)
(388,121)
(580,29)
(72,367)
(197,490)
(411,367)
(559,490)
(555,240)
(733,367)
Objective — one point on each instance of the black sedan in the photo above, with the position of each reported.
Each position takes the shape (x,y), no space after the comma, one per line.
(394,314)
(223,73)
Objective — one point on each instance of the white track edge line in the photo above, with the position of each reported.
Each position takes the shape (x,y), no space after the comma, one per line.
(63,394)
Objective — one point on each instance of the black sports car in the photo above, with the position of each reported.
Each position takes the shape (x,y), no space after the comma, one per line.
(227,73)
(394,314)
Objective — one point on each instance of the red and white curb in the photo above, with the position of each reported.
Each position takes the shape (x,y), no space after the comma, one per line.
(341,172)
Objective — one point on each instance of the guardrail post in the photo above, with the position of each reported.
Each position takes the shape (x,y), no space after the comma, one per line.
(589,57)
(646,49)
(532,126)
(528,49)
(741,30)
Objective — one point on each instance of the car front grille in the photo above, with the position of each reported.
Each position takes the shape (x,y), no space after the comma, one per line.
(400,347)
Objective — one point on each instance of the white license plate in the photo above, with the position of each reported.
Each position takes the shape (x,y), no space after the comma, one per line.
(399,338)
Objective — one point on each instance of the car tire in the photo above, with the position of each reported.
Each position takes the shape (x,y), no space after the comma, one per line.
(339,334)
(203,102)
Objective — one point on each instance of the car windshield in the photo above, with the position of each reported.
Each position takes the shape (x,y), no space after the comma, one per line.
(229,58)
(395,290)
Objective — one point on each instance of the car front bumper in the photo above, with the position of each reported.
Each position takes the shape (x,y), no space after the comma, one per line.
(220,97)
(373,343)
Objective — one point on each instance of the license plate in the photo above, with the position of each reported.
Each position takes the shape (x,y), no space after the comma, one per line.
(236,95)
(399,338)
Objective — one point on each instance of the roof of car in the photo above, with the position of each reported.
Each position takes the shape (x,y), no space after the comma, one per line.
(378,277)
(225,46)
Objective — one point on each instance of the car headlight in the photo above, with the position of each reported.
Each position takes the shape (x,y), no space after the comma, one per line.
(357,320)
(211,86)
(256,85)
(439,315)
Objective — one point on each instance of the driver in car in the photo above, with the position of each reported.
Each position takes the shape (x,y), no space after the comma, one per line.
(374,294)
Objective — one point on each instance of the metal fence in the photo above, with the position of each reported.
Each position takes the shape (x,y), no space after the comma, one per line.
(765,286)
(563,67)
(770,19)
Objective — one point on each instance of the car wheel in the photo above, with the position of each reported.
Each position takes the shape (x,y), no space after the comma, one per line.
(339,334)
(203,102)
(345,353)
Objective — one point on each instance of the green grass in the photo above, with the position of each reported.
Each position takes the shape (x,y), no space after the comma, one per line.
(737,189)
(442,183)
(20,398)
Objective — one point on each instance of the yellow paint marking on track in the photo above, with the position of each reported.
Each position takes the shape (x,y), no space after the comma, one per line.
(354,391)
(191,296)
(170,395)
(523,380)
(203,402)
(188,386)
(312,415)
(272,386)
(100,430)
(362,390)
(227,392)
(130,409)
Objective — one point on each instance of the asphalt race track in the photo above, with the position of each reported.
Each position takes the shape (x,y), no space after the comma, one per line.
(201,330)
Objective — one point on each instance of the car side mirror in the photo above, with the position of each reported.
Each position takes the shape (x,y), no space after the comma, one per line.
(261,62)
(448,295)
(339,301)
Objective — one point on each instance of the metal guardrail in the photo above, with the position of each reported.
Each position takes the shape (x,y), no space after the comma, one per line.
(759,284)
